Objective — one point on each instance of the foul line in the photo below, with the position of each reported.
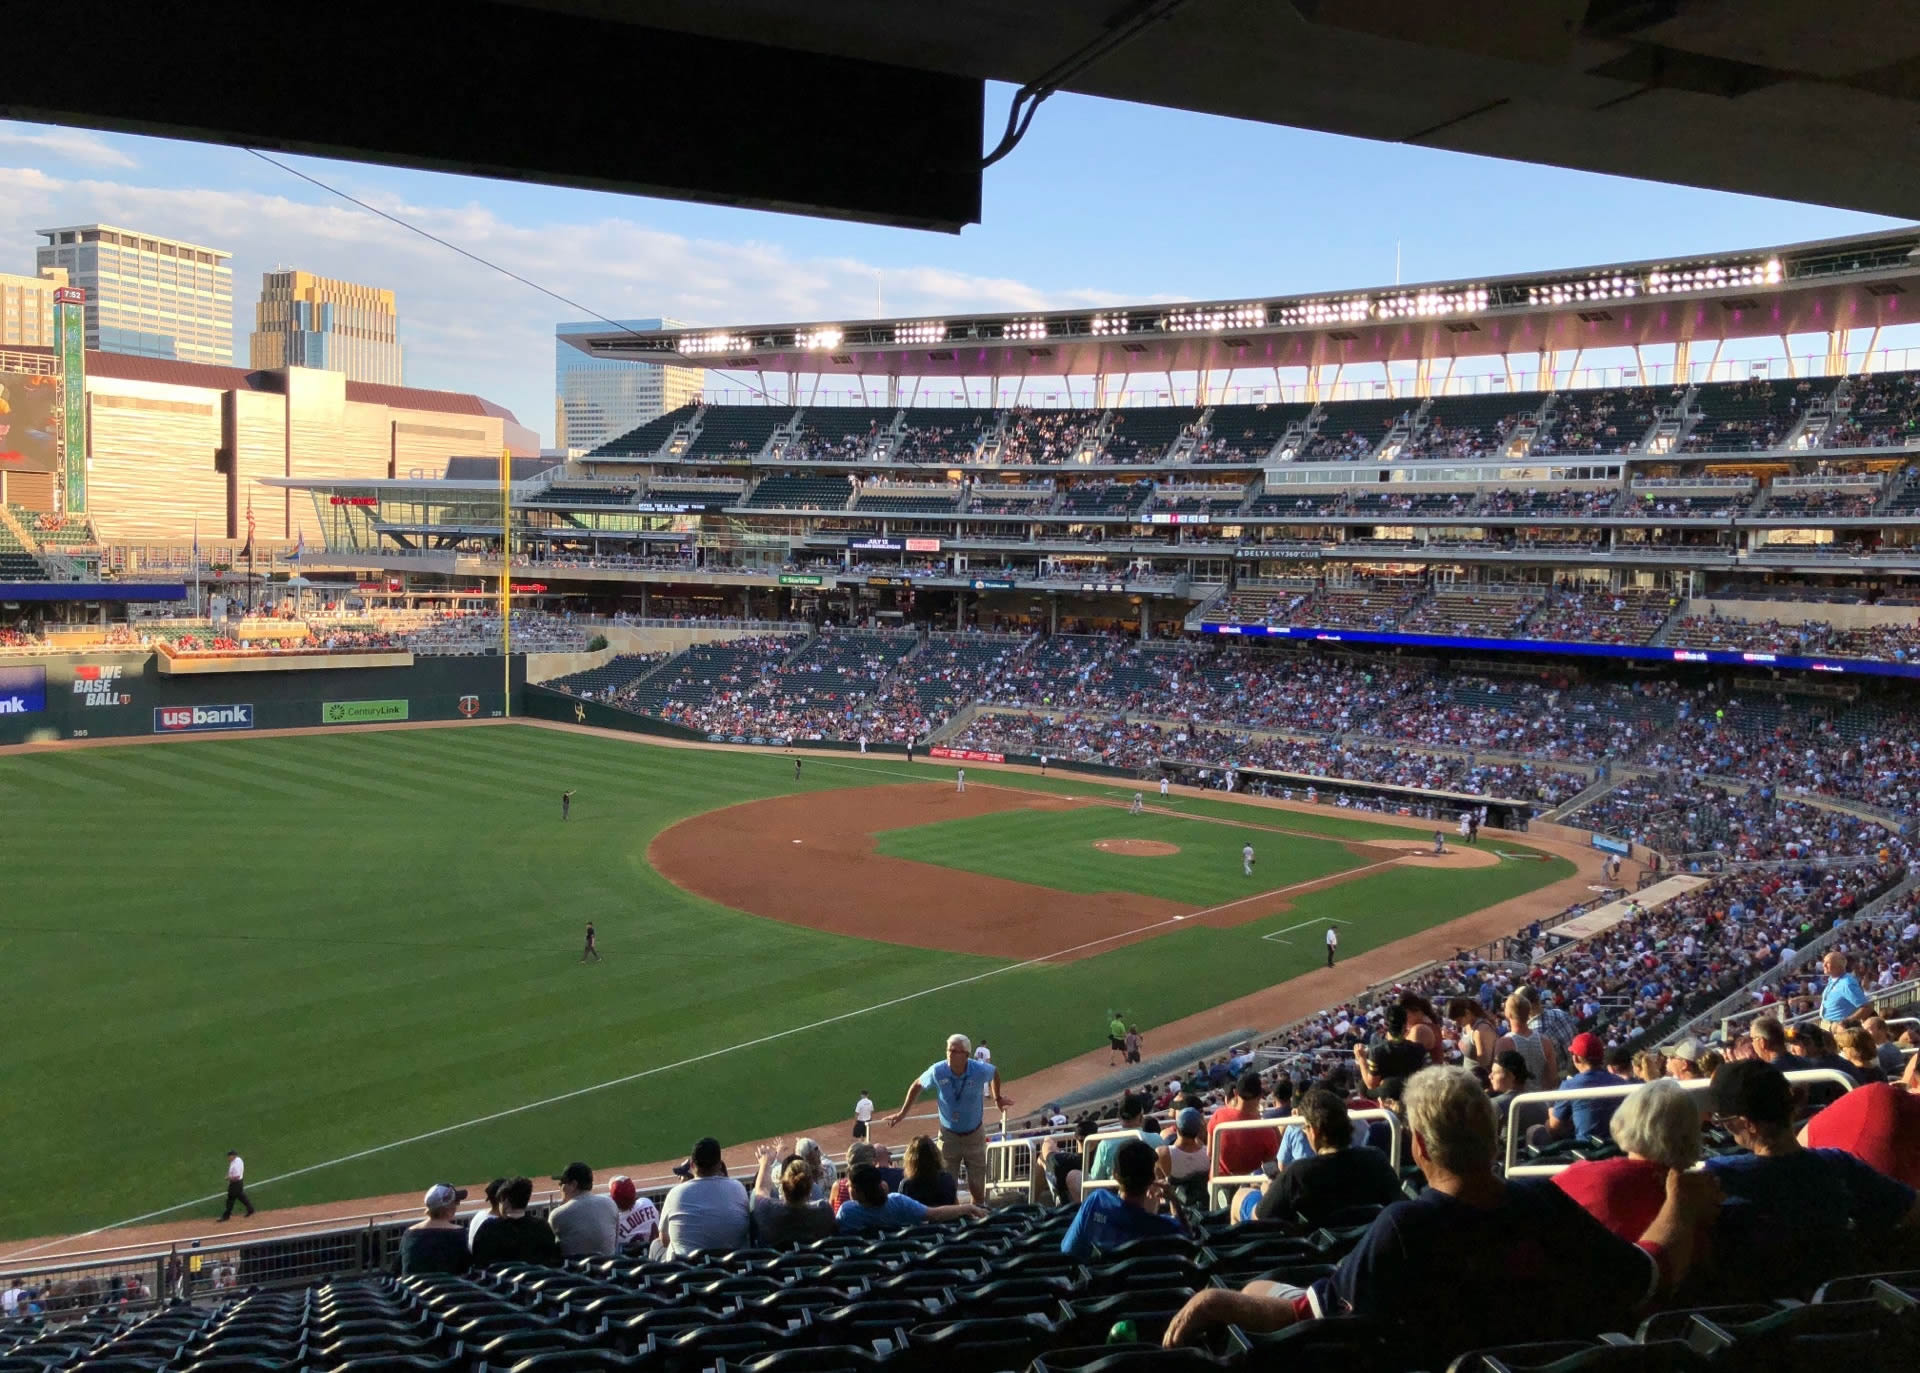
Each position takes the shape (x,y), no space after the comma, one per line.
(652,1072)
(1275,935)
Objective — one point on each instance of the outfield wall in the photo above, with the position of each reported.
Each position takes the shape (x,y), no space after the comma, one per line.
(124,695)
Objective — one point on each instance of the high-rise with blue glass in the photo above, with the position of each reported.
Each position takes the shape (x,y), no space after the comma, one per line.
(304,320)
(147,295)
(597,399)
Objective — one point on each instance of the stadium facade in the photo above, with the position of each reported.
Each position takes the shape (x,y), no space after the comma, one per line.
(1440,507)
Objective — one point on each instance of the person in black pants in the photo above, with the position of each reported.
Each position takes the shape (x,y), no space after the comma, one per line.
(236,1190)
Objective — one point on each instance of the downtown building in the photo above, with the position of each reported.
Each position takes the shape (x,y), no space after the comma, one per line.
(26,308)
(304,320)
(596,399)
(147,296)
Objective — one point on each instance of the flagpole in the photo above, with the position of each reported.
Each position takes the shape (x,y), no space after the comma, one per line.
(196,567)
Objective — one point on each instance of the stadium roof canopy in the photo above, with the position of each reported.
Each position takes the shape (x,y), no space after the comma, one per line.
(876,109)
(1870,281)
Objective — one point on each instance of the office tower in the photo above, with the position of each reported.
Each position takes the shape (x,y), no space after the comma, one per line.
(596,399)
(146,295)
(303,320)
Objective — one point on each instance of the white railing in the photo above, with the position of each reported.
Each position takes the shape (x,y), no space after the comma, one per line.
(1513,1169)
(1218,1182)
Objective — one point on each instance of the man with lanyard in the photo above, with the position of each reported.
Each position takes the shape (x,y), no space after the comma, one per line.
(960,1084)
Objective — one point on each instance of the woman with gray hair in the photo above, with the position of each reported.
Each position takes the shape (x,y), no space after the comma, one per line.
(1659,1127)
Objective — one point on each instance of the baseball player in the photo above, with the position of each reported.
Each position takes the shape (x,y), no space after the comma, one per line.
(1138,805)
(1163,787)
(1333,944)
(1439,842)
(960,780)
(796,769)
(1246,859)
(566,804)
(592,952)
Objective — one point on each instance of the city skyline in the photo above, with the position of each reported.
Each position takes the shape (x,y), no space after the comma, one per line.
(595,399)
(1063,227)
(303,319)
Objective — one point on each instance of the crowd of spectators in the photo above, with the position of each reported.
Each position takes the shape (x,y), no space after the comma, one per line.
(1862,752)
(1039,437)
(1681,813)
(1897,642)
(1540,719)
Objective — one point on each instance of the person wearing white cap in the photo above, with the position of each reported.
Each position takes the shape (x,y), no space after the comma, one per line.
(437,1244)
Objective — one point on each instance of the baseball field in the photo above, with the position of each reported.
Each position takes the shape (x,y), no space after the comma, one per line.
(357,957)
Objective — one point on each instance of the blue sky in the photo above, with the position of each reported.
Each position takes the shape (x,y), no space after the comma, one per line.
(1102,203)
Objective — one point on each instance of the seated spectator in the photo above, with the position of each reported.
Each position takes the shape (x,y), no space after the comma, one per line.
(1338,1175)
(487,1213)
(924,1178)
(1530,1263)
(639,1217)
(1862,1055)
(1511,1077)
(1241,1153)
(1133,1120)
(872,1206)
(1828,1200)
(1769,1039)
(1809,1046)
(437,1244)
(513,1235)
(1658,1124)
(863,1152)
(789,1216)
(1887,1051)
(1683,1060)
(586,1223)
(1584,1117)
(708,1211)
(1186,1162)
(819,1164)
(1878,1124)
(1108,1218)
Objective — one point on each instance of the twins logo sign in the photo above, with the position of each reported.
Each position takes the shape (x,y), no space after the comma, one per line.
(469,706)
(23,690)
(99,686)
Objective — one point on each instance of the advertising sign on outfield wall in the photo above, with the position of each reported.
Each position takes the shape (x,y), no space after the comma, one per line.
(23,690)
(965,755)
(187,719)
(98,685)
(362,712)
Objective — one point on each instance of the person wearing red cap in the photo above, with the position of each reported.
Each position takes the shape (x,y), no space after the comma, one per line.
(1585,1117)
(639,1218)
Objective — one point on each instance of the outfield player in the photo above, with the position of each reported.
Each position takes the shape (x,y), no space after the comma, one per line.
(592,953)
(566,804)
(1246,859)
(796,769)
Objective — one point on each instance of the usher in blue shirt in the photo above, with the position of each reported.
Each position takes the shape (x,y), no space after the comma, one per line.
(962,1095)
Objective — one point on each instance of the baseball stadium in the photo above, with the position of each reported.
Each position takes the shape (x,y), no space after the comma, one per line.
(1218,736)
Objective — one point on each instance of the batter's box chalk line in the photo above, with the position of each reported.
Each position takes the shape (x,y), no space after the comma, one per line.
(1274,936)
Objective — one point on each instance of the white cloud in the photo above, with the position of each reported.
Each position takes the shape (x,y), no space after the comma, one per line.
(65,145)
(468,328)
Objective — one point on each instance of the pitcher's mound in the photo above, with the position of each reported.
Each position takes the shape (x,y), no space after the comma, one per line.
(1137,848)
(1419,852)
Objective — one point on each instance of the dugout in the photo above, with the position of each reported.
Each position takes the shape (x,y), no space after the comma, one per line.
(1502,812)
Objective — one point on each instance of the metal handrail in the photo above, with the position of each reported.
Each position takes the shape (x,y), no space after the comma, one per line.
(1218,1182)
(1513,1169)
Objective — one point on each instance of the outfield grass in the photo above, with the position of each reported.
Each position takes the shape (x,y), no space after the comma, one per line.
(307,948)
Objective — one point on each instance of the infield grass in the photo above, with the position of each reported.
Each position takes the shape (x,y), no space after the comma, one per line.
(310,948)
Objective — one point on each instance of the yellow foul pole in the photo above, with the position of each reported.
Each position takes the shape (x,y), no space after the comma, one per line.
(506,585)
